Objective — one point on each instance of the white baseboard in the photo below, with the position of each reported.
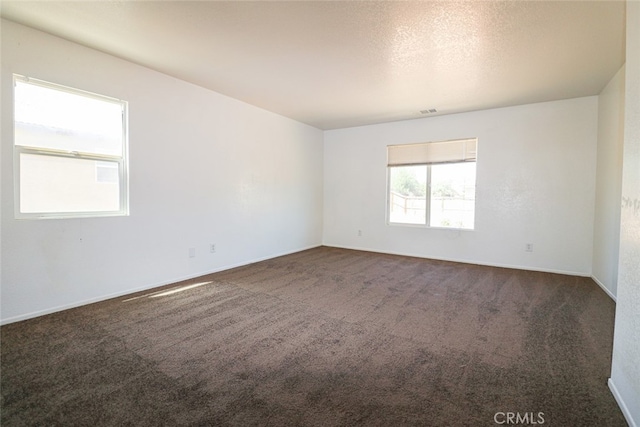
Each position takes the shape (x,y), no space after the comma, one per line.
(604,288)
(621,404)
(147,287)
(463,261)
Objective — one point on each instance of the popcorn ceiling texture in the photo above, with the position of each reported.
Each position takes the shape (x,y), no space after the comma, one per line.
(336,64)
(324,337)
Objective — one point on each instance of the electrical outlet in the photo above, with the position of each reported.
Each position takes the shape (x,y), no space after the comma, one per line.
(359,233)
(528,247)
(192,252)
(212,247)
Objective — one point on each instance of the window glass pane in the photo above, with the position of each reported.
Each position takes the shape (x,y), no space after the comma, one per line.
(453,193)
(407,195)
(56,119)
(50,184)
(107,172)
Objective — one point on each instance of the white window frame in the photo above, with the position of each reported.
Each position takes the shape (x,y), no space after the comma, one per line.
(469,155)
(122,160)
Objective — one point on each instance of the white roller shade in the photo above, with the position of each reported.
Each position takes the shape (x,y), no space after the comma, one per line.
(429,153)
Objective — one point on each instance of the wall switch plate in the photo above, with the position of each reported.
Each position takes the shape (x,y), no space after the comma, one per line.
(212,247)
(528,247)
(192,252)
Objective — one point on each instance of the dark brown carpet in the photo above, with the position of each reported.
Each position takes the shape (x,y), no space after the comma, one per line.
(324,337)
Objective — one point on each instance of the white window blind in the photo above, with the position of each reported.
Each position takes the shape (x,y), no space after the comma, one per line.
(432,153)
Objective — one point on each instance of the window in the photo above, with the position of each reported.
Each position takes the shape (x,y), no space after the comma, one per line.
(70,152)
(432,183)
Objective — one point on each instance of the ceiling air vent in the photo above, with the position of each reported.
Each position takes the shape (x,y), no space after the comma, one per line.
(429,111)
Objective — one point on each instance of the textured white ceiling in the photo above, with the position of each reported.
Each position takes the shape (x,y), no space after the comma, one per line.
(345,63)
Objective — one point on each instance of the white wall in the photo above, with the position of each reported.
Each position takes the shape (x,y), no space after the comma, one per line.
(204,169)
(535,184)
(625,368)
(606,226)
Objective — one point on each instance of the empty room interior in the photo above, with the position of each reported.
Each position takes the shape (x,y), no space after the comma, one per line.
(320,213)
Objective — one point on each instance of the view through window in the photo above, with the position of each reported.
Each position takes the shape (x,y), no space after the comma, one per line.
(435,193)
(70,151)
